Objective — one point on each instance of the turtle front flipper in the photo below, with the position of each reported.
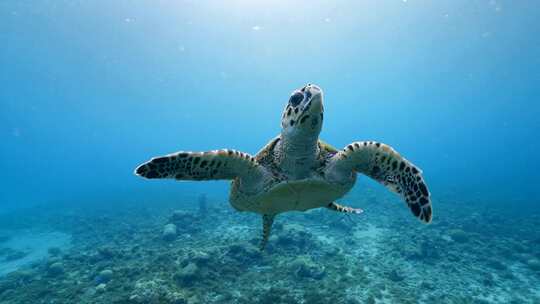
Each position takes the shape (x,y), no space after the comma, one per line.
(212,165)
(385,165)
(345,209)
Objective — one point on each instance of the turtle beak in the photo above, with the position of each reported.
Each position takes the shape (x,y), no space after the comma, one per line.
(312,98)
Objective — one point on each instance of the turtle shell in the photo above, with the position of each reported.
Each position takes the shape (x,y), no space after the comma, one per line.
(282,195)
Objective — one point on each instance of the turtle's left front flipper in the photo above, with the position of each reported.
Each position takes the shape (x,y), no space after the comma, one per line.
(385,165)
(212,165)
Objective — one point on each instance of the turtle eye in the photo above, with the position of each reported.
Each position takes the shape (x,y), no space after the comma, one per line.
(296,98)
(308,95)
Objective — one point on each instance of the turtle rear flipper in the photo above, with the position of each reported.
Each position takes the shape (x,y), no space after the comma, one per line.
(212,165)
(385,165)
(345,209)
(267,221)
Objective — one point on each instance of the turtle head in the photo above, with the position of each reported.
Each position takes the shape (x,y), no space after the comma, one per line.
(303,114)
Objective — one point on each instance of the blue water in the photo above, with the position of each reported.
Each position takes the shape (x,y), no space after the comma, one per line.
(90,89)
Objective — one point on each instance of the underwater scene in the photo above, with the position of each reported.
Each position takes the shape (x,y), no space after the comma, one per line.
(194,152)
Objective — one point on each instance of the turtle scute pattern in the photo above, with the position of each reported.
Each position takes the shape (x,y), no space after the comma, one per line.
(384,164)
(218,164)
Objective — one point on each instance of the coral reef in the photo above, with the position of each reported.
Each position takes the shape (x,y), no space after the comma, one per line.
(169,232)
(381,256)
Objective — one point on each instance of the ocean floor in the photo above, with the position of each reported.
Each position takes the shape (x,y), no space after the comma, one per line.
(20,249)
(473,252)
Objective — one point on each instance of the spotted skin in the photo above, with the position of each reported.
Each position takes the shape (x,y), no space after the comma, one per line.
(385,165)
(345,209)
(267,221)
(212,165)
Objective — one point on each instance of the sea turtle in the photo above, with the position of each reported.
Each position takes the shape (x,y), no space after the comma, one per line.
(296,170)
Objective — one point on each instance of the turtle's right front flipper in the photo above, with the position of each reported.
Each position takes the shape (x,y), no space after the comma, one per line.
(385,165)
(212,165)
